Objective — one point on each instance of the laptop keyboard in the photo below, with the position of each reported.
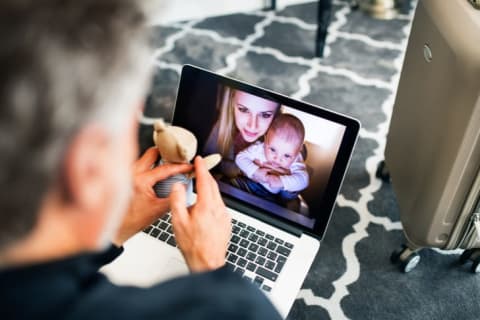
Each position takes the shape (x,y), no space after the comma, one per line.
(254,254)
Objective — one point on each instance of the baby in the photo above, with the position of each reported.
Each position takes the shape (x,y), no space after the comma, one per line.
(275,168)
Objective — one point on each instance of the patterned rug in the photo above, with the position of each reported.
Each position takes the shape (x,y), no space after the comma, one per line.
(352,276)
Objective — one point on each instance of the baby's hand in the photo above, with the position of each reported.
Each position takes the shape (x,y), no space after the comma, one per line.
(274,181)
(258,163)
(276,169)
(260,175)
(279,171)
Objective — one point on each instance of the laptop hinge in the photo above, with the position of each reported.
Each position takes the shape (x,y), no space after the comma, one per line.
(262,216)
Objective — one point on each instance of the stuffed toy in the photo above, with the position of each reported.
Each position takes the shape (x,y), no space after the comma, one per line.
(177,145)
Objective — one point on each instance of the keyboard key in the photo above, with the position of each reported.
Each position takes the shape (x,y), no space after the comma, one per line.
(235,239)
(170,229)
(279,241)
(272,255)
(253,237)
(230,266)
(281,259)
(244,243)
(271,245)
(147,229)
(267,274)
(253,247)
(234,221)
(270,265)
(288,245)
(248,278)
(262,241)
(283,250)
(269,236)
(236,229)
(164,236)
(242,262)
(232,248)
(260,260)
(171,241)
(258,281)
(155,232)
(232,258)
(279,267)
(241,224)
(250,228)
(242,252)
(163,225)
(262,252)
(251,256)
(266,288)
(251,266)
(260,233)
(240,271)
(244,234)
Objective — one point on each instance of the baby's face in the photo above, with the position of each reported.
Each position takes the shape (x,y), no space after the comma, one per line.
(281,152)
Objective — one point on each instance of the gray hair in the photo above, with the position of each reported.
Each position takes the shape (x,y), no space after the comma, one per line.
(63,64)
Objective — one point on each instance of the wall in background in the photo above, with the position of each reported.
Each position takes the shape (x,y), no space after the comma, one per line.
(166,11)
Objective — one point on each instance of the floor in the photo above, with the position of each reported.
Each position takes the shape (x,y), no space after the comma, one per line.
(168,11)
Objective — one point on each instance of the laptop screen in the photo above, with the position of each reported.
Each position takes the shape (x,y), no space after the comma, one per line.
(283,157)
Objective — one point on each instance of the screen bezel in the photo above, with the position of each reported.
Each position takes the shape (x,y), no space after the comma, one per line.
(191,74)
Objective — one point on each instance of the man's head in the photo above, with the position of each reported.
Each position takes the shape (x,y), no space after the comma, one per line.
(72,73)
(284,140)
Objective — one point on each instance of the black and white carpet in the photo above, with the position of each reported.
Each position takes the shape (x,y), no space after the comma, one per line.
(352,276)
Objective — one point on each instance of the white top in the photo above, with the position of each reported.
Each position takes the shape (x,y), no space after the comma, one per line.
(296,181)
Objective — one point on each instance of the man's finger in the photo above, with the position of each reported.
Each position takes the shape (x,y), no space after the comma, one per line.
(147,160)
(162,205)
(178,200)
(203,183)
(167,170)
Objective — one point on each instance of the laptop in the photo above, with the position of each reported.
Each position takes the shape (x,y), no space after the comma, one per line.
(274,239)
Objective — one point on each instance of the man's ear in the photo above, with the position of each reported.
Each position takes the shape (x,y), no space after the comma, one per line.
(86,169)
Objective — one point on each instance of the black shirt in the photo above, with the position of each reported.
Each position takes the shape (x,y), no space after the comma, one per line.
(72,288)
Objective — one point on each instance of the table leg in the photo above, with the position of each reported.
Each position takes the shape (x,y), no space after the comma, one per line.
(324,17)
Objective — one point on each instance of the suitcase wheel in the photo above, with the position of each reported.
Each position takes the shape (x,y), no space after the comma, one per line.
(406,258)
(476,265)
(382,172)
(471,255)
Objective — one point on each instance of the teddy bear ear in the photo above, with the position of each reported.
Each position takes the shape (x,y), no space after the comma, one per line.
(212,160)
(182,152)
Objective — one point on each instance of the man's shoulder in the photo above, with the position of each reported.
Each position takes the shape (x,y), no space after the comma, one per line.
(219,293)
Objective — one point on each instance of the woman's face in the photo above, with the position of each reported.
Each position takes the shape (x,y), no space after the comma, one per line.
(253,115)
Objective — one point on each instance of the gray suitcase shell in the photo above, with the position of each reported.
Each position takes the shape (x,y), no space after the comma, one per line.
(433,144)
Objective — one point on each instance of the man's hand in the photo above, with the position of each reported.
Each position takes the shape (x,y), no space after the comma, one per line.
(203,230)
(145,206)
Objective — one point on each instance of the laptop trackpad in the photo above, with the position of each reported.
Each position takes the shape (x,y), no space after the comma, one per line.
(145,262)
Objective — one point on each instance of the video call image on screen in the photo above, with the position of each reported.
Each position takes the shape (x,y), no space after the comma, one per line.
(273,156)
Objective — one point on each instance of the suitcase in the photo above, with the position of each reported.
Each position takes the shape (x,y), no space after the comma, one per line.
(432,153)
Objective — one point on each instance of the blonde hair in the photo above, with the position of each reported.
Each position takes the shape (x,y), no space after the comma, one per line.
(226,121)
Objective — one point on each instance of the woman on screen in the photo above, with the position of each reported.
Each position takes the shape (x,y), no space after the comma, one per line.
(243,119)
